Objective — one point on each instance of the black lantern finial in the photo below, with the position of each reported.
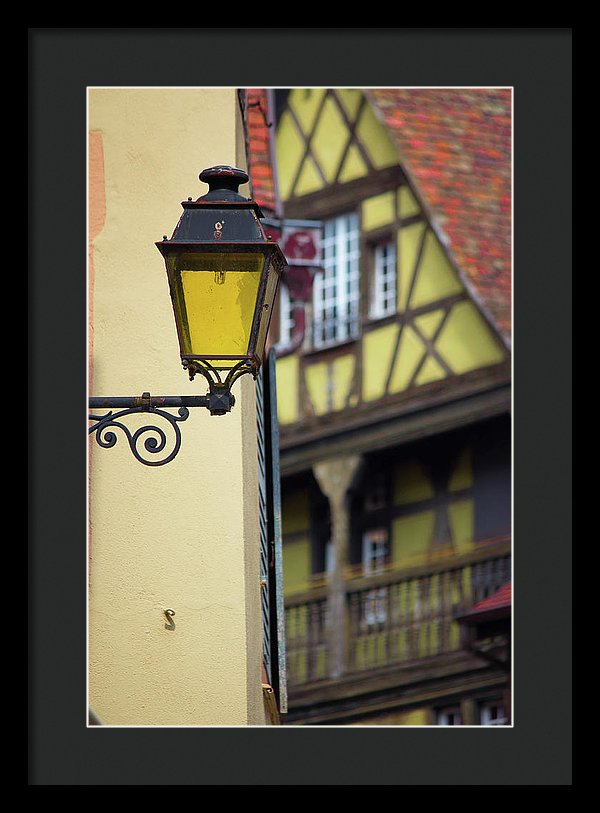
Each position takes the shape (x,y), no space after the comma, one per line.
(222,181)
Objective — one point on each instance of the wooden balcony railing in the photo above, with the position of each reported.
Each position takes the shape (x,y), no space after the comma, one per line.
(398,616)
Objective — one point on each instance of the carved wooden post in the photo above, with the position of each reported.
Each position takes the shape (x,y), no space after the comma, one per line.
(335,478)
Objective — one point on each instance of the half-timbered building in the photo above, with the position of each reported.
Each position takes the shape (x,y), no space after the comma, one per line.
(393,207)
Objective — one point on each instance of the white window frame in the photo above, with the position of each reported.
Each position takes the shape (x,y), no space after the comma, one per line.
(384,283)
(485,715)
(374,554)
(336,289)
(443,716)
(286,322)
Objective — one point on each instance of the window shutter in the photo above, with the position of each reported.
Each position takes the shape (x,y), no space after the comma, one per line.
(271,565)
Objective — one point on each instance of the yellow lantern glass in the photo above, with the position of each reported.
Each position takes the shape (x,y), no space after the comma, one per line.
(214,297)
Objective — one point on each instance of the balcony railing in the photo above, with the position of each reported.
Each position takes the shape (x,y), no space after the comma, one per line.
(399,616)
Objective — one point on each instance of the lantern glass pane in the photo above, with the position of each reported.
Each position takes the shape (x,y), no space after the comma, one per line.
(272,286)
(214,296)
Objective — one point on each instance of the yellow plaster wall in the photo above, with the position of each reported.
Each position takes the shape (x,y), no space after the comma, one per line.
(317,385)
(436,278)
(295,511)
(328,383)
(290,148)
(376,140)
(296,565)
(428,323)
(329,140)
(410,352)
(407,203)
(295,514)
(287,388)
(309,179)
(350,99)
(378,211)
(411,537)
(183,536)
(430,371)
(305,103)
(378,349)
(354,165)
(466,342)
(342,375)
(460,514)
(409,242)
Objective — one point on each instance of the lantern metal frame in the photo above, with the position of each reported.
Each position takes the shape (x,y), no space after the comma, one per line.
(197,232)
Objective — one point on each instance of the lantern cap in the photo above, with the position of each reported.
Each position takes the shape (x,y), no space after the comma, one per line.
(221,215)
(223,183)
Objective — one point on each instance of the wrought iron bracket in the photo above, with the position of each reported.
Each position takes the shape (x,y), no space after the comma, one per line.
(150,440)
(147,440)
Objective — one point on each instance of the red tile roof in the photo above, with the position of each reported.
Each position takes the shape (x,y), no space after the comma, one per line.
(499,600)
(259,158)
(455,146)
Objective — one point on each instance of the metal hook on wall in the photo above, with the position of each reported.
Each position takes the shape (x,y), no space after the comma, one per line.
(170,625)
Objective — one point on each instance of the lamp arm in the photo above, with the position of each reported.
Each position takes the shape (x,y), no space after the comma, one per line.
(218,401)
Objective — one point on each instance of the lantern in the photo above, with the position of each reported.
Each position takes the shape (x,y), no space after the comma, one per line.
(223,277)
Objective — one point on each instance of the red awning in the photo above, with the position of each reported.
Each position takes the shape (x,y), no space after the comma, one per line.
(498,605)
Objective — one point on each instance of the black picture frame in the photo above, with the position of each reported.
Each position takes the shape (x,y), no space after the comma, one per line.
(537,63)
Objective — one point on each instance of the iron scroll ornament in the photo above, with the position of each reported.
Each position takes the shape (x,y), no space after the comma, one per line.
(151,439)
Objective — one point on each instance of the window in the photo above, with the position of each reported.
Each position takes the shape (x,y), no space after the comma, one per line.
(336,289)
(492,713)
(286,322)
(374,557)
(383,290)
(449,716)
(375,551)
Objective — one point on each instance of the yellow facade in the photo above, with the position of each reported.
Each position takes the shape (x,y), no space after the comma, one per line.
(438,332)
(183,536)
(394,339)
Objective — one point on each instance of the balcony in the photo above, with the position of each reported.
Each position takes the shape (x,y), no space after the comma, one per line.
(397,617)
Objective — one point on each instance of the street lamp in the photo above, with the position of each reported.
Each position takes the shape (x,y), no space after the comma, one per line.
(223,275)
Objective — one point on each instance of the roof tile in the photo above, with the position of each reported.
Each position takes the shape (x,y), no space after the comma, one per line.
(455,145)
